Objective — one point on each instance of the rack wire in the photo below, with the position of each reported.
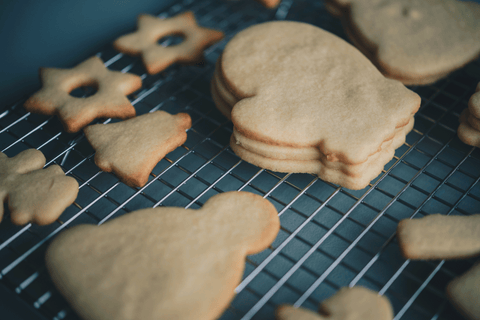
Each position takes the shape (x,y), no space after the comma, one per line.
(330,237)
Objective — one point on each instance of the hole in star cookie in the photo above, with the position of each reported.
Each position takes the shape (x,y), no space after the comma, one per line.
(84,91)
(171,40)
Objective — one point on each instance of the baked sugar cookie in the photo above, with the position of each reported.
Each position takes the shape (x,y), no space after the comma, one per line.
(474,103)
(157,58)
(34,194)
(349,176)
(162,263)
(109,101)
(416,41)
(440,237)
(447,237)
(464,293)
(303,100)
(469,129)
(132,148)
(355,303)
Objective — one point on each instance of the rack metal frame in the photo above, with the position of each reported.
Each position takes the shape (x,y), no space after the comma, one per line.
(330,236)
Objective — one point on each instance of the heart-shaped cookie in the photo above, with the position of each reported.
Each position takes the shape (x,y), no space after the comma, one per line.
(162,263)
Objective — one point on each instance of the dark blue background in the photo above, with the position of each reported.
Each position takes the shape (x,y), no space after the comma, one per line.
(58,34)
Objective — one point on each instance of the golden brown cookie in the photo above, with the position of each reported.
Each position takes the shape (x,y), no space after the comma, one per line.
(157,58)
(416,41)
(474,103)
(466,132)
(297,94)
(474,122)
(355,303)
(440,237)
(349,176)
(162,263)
(464,293)
(132,148)
(109,101)
(34,194)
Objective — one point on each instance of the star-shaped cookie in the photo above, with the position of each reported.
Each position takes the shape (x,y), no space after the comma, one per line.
(109,101)
(132,148)
(34,194)
(348,303)
(156,57)
(162,263)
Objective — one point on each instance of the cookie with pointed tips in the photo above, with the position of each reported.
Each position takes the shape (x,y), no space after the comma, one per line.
(417,42)
(162,263)
(440,237)
(34,194)
(304,100)
(157,58)
(132,148)
(464,293)
(348,303)
(109,101)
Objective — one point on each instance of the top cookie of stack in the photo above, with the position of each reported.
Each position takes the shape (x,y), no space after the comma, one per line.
(304,100)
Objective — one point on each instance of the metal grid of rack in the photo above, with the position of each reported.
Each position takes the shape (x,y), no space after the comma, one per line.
(330,236)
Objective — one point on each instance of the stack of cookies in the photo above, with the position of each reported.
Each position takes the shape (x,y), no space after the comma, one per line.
(303,100)
(469,129)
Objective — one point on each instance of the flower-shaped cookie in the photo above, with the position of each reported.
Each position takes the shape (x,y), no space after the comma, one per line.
(156,57)
(109,101)
(162,263)
(34,194)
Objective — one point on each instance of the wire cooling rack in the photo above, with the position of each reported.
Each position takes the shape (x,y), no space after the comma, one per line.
(330,236)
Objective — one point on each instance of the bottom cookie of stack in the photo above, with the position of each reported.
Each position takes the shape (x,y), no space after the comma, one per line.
(351,176)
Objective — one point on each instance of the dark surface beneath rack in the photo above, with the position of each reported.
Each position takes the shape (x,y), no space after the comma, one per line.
(330,237)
